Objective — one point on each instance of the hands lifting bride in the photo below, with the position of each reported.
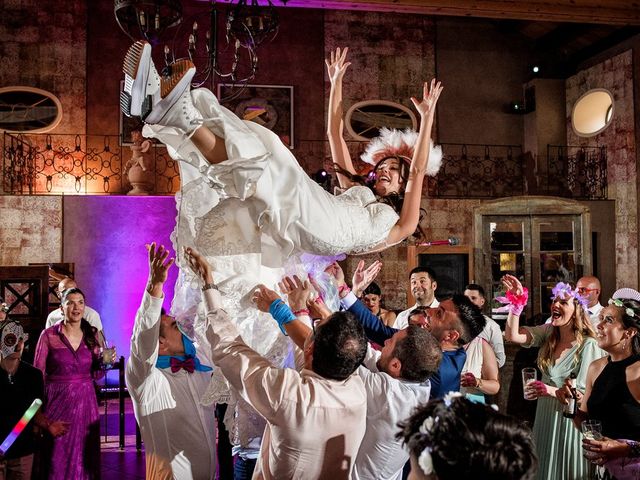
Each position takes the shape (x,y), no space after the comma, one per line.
(241,159)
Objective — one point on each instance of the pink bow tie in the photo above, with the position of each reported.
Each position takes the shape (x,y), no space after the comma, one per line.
(176,364)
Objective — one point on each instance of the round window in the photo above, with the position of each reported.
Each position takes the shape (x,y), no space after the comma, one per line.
(592,113)
(28,109)
(365,119)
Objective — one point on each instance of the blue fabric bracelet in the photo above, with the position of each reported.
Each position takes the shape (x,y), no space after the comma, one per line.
(281,313)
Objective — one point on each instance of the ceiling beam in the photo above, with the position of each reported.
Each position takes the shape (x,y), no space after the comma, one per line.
(611,12)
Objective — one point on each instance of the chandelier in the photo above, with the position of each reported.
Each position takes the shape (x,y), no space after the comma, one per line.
(148,19)
(234,60)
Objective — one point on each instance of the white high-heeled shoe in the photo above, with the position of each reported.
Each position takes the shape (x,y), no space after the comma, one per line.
(141,81)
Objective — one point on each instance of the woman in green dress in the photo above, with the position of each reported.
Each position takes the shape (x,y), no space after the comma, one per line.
(567,346)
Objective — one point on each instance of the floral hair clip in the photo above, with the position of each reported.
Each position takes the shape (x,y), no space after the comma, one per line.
(618,303)
(426,462)
(564,290)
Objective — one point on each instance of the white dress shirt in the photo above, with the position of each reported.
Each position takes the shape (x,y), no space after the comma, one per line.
(389,401)
(179,433)
(493,335)
(402,320)
(90,315)
(314,425)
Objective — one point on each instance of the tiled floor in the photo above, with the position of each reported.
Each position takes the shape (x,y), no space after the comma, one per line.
(116,464)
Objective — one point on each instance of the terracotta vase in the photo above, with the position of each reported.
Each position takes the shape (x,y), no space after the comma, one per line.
(142,181)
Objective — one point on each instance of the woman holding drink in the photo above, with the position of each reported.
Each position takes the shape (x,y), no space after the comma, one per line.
(567,345)
(612,397)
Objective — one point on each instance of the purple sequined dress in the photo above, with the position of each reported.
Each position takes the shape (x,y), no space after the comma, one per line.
(70,396)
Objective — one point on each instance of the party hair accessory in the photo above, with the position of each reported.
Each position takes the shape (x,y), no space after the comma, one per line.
(426,462)
(618,303)
(427,425)
(628,293)
(513,303)
(399,143)
(564,290)
(448,398)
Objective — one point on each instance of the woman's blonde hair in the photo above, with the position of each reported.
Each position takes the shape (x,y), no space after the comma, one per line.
(582,328)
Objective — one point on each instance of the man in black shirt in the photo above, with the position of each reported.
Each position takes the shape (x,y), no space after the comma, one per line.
(20,384)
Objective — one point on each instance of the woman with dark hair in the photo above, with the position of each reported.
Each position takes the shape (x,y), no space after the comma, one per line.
(372,298)
(567,346)
(612,393)
(456,438)
(68,354)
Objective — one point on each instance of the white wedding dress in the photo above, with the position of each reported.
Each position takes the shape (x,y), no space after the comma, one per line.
(256,217)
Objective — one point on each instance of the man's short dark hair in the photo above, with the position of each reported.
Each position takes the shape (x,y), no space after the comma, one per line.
(476,287)
(420,354)
(471,319)
(339,346)
(428,270)
(419,310)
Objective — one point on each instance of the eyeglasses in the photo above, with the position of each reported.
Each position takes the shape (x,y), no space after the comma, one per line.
(586,290)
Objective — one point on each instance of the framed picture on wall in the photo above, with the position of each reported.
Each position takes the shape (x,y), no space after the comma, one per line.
(268,105)
(127,125)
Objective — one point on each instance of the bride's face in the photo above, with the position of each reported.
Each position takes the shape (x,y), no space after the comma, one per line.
(388,179)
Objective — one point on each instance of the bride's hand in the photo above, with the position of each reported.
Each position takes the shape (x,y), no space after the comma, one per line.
(337,64)
(430,94)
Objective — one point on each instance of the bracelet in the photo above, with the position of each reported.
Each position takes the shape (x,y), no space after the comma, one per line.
(210,286)
(302,311)
(478,383)
(344,288)
(281,313)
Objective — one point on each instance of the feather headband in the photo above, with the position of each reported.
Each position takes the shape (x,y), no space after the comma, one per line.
(400,143)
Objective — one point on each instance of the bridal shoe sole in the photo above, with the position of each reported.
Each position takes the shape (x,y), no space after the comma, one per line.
(135,99)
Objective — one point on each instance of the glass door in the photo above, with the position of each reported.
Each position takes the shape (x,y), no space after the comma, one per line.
(556,256)
(540,250)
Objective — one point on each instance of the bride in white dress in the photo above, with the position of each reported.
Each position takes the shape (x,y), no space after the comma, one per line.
(247,205)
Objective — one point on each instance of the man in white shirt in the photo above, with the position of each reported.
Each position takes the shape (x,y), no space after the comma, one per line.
(423,287)
(90,315)
(316,418)
(589,287)
(396,381)
(491,331)
(166,375)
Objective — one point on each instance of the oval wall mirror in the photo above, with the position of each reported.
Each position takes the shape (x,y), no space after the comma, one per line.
(28,109)
(592,113)
(365,119)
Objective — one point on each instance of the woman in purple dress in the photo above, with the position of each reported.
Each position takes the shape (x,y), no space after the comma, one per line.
(68,354)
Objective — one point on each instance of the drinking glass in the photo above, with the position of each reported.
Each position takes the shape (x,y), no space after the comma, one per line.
(591,429)
(529,375)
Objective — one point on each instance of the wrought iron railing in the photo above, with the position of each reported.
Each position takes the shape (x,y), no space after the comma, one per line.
(575,171)
(43,164)
(79,164)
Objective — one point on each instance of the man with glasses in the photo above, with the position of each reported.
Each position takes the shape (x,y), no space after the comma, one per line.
(589,288)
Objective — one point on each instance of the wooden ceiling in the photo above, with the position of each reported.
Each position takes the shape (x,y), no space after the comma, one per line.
(561,33)
(609,12)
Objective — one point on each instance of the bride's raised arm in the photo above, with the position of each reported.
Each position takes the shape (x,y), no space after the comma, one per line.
(410,212)
(336,67)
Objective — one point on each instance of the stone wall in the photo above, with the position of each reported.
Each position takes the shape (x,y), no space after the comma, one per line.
(615,75)
(31,230)
(43,45)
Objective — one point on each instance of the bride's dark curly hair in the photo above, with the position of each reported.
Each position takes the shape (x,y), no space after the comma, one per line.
(394,199)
